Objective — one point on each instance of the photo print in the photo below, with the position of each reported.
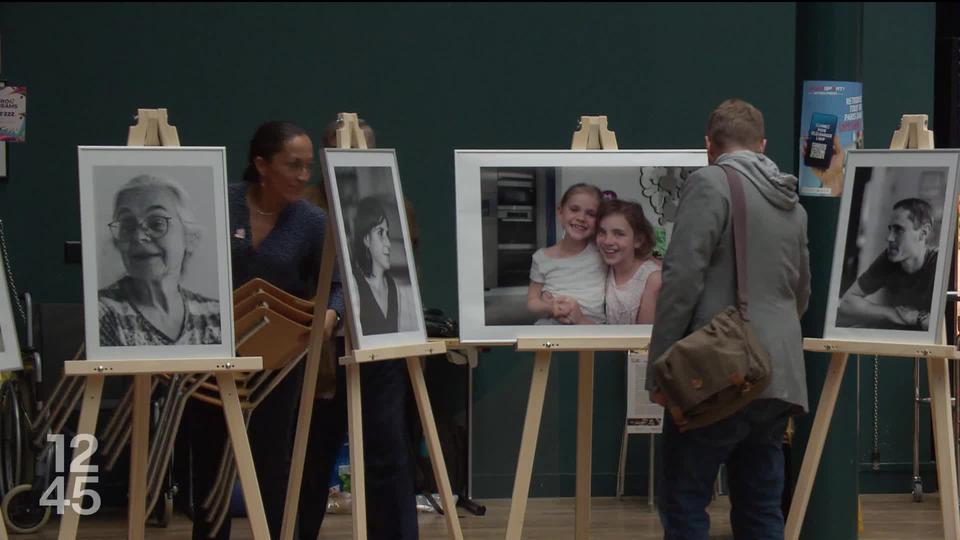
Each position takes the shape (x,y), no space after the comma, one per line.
(894,246)
(568,240)
(156,254)
(376,251)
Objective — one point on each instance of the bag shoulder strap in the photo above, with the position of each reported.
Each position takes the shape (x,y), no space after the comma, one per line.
(738,216)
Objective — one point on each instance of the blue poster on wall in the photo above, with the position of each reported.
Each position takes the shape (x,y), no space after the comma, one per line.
(831,122)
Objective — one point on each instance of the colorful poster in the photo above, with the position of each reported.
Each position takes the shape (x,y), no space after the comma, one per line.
(13,113)
(831,122)
(643,415)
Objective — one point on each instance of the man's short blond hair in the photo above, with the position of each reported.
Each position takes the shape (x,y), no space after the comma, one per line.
(735,123)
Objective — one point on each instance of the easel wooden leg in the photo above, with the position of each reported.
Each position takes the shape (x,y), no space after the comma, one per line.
(939,379)
(87,425)
(243,455)
(355,435)
(818,436)
(415,368)
(139,449)
(528,445)
(295,480)
(584,444)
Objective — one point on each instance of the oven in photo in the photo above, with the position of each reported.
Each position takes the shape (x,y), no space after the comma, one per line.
(494,255)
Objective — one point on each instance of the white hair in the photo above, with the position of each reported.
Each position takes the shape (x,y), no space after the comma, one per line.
(192,229)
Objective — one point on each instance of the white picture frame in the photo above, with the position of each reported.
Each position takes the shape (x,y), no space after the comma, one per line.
(10,358)
(879,189)
(364,184)
(490,295)
(205,282)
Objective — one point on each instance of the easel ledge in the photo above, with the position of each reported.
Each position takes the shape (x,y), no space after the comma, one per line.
(905,350)
(583,344)
(392,353)
(161,365)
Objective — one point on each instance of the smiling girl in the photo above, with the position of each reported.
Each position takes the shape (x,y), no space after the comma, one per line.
(626,241)
(566,279)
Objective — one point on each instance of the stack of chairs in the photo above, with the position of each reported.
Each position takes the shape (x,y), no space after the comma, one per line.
(268,322)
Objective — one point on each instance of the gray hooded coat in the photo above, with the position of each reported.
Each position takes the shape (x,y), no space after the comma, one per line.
(698,269)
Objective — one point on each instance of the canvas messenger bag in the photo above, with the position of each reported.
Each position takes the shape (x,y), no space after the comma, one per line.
(720,368)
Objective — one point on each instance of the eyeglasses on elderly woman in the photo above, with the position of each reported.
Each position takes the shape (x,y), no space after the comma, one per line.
(155,227)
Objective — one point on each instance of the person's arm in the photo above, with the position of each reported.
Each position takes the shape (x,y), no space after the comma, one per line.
(335,304)
(698,227)
(538,303)
(855,306)
(567,310)
(535,302)
(648,300)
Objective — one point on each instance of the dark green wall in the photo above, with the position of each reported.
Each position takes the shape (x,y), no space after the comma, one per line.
(430,78)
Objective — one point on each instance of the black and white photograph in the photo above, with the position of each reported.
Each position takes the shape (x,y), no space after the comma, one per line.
(10,358)
(156,257)
(376,252)
(571,241)
(894,239)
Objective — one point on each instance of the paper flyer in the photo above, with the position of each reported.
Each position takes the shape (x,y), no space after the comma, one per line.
(13,113)
(831,122)
(643,415)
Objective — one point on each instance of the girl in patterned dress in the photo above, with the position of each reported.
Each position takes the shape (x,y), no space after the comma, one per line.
(626,242)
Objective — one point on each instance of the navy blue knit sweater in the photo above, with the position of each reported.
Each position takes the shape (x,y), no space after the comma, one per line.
(289,257)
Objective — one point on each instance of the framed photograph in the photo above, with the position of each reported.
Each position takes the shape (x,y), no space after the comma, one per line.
(10,358)
(533,256)
(895,242)
(156,253)
(376,253)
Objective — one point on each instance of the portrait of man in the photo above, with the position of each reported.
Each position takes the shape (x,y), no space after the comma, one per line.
(896,290)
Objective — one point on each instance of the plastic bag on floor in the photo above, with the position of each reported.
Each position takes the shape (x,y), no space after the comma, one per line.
(424,506)
(339,502)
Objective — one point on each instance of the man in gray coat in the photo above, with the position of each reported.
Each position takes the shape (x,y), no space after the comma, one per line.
(699,282)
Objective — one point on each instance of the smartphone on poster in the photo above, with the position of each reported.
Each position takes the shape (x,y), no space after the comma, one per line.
(820,140)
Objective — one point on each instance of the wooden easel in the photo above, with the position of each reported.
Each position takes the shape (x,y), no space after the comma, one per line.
(349,135)
(592,134)
(913,134)
(151,129)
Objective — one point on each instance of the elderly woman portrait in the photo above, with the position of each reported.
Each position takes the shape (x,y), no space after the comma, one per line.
(386,302)
(155,233)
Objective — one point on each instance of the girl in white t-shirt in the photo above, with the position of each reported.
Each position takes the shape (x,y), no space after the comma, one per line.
(626,241)
(567,278)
